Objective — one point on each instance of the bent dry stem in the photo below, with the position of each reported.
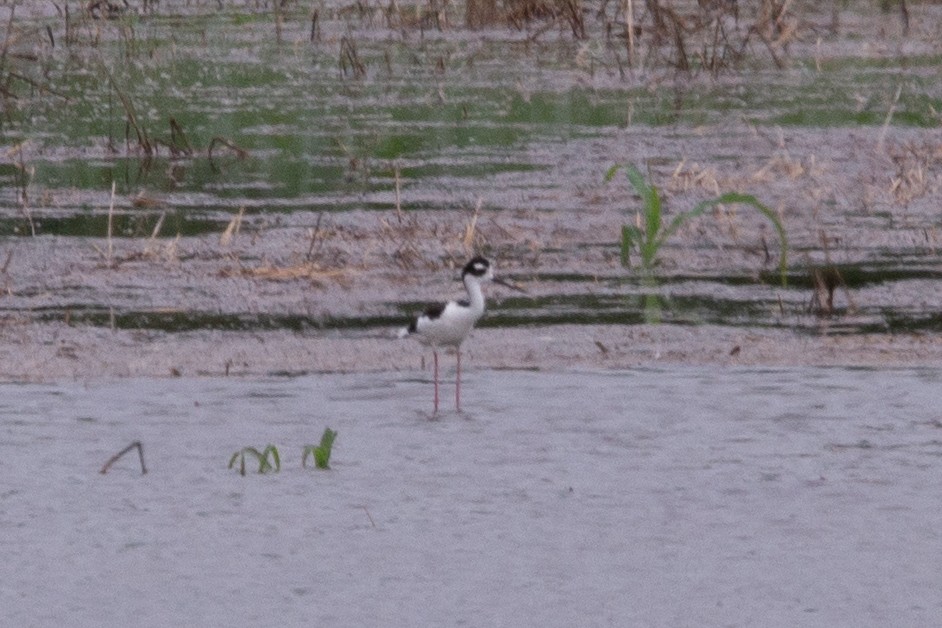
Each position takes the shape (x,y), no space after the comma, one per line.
(140,452)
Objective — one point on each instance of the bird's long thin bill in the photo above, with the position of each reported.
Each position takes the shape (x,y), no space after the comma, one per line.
(508,285)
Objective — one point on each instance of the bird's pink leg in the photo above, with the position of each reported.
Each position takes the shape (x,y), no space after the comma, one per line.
(435,354)
(458,384)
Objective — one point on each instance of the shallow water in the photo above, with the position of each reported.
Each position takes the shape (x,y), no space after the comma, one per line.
(686,496)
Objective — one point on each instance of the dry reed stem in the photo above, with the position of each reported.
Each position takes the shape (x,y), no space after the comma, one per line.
(279,22)
(153,250)
(916,168)
(398,195)
(826,280)
(628,10)
(481,13)
(779,164)
(686,178)
(157,226)
(311,271)
(889,117)
(178,139)
(315,237)
(26,176)
(146,202)
(110,257)
(470,231)
(241,153)
(232,228)
(405,236)
(143,139)
(350,58)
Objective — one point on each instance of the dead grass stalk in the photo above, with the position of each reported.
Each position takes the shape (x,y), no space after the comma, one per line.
(110,258)
(350,59)
(232,229)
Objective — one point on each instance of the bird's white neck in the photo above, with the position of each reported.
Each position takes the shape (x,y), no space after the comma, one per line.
(475,294)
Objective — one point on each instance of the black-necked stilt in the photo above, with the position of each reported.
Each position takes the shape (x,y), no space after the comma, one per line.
(448,324)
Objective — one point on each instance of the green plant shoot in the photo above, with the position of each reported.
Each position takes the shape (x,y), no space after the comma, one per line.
(320,453)
(649,240)
(268,459)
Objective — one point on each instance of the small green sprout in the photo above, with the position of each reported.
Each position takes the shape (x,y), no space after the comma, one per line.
(321,453)
(268,459)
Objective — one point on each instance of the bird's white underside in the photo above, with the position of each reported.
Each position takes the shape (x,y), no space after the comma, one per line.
(448,329)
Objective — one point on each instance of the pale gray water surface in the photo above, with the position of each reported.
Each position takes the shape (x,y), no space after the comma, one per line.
(676,497)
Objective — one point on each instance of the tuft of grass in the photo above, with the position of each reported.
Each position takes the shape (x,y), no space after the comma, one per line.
(649,239)
(268,459)
(320,453)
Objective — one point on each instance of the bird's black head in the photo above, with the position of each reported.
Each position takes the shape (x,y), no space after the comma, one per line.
(478,266)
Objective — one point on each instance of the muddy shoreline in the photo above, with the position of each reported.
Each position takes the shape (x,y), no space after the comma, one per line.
(51,352)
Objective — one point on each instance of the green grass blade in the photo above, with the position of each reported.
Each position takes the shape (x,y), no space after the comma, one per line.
(649,242)
(610,173)
(637,181)
(233,459)
(728,199)
(651,199)
(630,236)
(683,217)
(748,199)
(322,451)
(327,438)
(272,451)
(263,465)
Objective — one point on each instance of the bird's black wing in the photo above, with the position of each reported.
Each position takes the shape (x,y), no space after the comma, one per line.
(431,312)
(434,311)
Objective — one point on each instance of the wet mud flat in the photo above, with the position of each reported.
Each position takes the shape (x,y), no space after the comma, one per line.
(254,300)
(740,496)
(58,353)
(701,445)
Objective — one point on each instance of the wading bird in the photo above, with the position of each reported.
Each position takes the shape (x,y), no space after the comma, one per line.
(447,324)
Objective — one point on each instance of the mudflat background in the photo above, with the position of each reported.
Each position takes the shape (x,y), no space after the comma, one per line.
(251,302)
(359,194)
(214,217)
